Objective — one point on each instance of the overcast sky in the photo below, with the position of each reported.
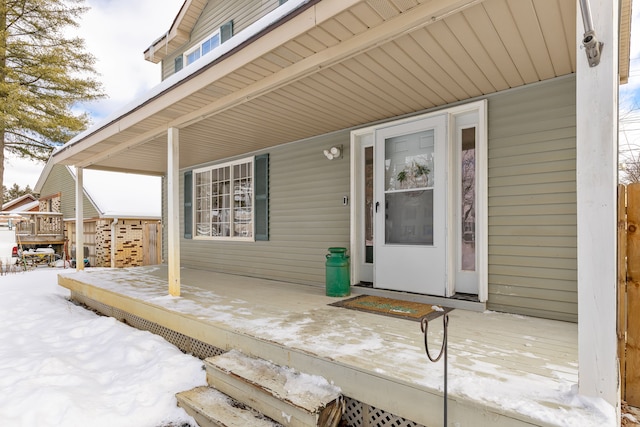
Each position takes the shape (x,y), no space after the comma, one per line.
(117,32)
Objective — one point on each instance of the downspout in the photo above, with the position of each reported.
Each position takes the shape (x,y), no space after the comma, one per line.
(113,242)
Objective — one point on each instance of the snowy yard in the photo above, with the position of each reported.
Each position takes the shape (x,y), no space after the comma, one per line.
(62,365)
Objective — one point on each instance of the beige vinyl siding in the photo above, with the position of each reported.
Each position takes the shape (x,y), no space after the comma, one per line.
(306,216)
(242,12)
(61,181)
(532,201)
(531,197)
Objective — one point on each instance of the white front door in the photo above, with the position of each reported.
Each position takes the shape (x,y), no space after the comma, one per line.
(410,246)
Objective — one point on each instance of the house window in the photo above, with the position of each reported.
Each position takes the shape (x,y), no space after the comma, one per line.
(202,48)
(224,196)
(468,199)
(224,33)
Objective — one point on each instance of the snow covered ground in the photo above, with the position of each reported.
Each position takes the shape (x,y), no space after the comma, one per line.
(62,365)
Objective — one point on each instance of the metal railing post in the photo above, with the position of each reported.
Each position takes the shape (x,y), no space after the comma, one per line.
(424,326)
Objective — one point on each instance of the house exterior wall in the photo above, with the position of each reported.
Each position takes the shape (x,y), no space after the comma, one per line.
(103,243)
(59,187)
(90,238)
(131,241)
(61,181)
(242,12)
(306,216)
(532,201)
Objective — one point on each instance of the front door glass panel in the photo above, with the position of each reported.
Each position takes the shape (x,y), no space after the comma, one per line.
(409,185)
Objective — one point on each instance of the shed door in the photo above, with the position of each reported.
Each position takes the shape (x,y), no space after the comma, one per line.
(410,209)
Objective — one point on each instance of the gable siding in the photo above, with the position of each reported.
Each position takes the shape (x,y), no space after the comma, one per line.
(61,181)
(306,217)
(242,12)
(532,201)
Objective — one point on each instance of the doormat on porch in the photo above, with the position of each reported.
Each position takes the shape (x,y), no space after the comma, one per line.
(392,307)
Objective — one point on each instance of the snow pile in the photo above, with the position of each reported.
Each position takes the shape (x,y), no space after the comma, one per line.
(62,365)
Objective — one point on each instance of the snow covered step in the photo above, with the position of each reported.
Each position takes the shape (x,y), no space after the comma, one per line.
(289,397)
(210,408)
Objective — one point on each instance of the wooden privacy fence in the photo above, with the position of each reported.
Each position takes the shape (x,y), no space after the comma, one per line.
(629,291)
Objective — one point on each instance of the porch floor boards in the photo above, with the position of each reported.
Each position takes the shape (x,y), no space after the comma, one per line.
(504,370)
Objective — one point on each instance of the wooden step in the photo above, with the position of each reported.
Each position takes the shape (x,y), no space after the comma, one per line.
(211,408)
(291,398)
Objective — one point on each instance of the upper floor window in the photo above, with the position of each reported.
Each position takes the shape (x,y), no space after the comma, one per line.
(221,35)
(203,48)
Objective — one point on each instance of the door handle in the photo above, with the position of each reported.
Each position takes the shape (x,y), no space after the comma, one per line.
(377,206)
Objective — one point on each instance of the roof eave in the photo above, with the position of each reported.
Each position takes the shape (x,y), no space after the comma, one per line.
(178,33)
(228,49)
(625,40)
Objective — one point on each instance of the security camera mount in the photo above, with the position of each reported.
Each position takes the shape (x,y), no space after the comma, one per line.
(592,46)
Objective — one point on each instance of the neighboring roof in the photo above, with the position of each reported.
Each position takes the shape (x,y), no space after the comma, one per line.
(116,194)
(124,195)
(27,207)
(19,202)
(179,32)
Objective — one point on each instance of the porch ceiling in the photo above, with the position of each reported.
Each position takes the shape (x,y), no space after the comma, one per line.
(335,65)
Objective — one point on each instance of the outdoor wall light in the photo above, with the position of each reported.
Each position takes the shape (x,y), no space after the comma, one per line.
(334,152)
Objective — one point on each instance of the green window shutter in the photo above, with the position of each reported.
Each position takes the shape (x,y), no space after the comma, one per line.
(177,63)
(282,2)
(226,31)
(188,205)
(261,196)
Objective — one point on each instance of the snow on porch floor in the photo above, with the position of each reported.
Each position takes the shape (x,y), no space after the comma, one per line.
(513,370)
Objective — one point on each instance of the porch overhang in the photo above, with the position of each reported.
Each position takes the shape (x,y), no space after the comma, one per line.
(332,65)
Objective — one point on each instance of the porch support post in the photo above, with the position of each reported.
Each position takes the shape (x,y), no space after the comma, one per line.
(596,167)
(79,220)
(173,211)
